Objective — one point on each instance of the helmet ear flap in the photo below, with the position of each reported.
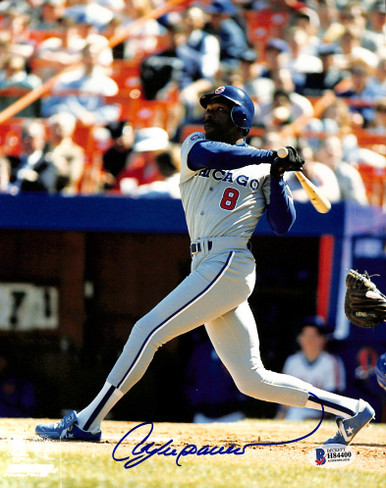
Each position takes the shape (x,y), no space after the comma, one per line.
(239,117)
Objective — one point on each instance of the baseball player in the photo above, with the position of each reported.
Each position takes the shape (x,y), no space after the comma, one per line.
(226,185)
(313,364)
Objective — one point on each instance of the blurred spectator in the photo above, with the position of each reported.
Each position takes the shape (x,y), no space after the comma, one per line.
(328,14)
(5,173)
(350,181)
(4,49)
(378,125)
(205,47)
(32,170)
(354,14)
(300,105)
(307,19)
(89,35)
(378,78)
(15,75)
(91,12)
(141,167)
(337,119)
(91,86)
(67,156)
(168,164)
(277,113)
(17,394)
(301,59)
(315,84)
(170,68)
(319,174)
(313,365)
(144,36)
(51,11)
(376,22)
(29,6)
(115,6)
(14,25)
(276,56)
(56,52)
(233,39)
(115,158)
(65,48)
(115,28)
(202,48)
(272,139)
(246,76)
(284,107)
(360,88)
(350,43)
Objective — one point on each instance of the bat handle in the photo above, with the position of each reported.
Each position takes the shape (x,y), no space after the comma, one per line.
(282,152)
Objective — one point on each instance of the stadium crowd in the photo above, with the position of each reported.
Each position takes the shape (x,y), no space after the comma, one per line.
(120,80)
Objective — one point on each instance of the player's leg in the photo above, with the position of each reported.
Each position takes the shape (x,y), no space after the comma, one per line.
(235,338)
(206,293)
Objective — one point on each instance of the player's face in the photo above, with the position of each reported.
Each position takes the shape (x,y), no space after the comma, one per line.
(312,343)
(218,124)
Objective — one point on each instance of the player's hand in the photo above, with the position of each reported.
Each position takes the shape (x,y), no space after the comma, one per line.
(293,162)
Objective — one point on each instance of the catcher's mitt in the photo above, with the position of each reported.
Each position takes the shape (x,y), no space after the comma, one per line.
(364,305)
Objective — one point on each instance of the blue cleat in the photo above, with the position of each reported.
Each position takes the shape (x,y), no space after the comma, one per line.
(349,428)
(67,429)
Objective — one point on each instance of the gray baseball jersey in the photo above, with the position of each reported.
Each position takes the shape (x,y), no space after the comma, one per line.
(220,203)
(222,209)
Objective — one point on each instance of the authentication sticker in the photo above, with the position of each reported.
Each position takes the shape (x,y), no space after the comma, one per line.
(331,456)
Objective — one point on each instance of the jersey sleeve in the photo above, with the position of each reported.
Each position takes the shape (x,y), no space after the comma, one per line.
(189,142)
(281,211)
(221,155)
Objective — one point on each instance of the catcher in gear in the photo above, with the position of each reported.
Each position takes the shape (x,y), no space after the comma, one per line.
(364,305)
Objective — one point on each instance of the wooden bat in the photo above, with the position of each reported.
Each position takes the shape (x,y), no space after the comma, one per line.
(318,200)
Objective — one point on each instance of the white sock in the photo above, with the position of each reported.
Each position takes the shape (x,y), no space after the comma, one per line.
(336,404)
(91,417)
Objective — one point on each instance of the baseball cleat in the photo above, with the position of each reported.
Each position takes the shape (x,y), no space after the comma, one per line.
(349,428)
(67,429)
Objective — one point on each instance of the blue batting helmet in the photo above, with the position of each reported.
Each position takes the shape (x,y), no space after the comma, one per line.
(243,111)
(380,370)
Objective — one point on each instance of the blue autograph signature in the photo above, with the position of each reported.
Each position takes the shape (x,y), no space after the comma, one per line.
(144,450)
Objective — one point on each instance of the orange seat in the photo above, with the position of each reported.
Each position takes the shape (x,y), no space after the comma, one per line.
(264,25)
(39,36)
(10,137)
(142,113)
(375,183)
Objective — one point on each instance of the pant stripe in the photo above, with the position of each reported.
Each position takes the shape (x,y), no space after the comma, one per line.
(175,314)
(335,406)
(99,408)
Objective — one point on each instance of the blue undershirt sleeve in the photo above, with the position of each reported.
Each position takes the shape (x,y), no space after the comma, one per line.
(220,155)
(281,211)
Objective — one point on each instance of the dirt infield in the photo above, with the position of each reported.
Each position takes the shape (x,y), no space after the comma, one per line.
(369,446)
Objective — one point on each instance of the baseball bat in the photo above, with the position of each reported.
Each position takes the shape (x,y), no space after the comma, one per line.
(318,200)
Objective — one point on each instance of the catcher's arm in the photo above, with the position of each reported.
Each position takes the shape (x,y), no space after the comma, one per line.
(365,305)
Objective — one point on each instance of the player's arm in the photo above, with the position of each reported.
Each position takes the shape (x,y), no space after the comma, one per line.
(220,155)
(281,211)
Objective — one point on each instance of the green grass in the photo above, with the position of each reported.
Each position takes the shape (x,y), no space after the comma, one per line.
(82,470)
